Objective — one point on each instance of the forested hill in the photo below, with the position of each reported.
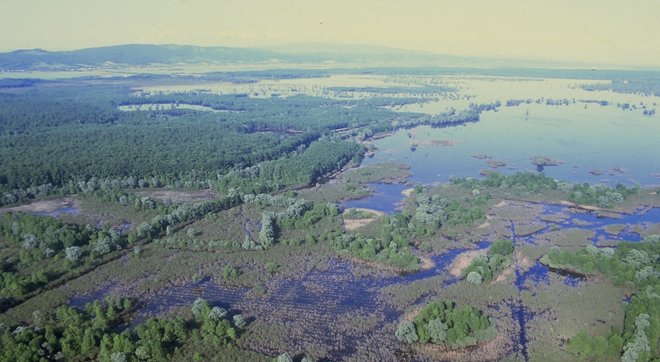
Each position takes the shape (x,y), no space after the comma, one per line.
(138,55)
(142,55)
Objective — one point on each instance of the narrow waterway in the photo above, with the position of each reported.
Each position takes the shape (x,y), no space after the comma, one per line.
(518,309)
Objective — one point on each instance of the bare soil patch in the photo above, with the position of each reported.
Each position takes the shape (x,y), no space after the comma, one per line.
(505,274)
(464,260)
(501,204)
(426,263)
(178,196)
(485,225)
(352,224)
(44,206)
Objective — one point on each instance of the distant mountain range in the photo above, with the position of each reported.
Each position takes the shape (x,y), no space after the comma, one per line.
(134,55)
(144,55)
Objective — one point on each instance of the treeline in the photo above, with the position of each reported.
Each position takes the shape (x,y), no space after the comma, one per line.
(599,195)
(165,224)
(98,332)
(298,214)
(54,136)
(303,168)
(73,133)
(645,86)
(527,181)
(39,251)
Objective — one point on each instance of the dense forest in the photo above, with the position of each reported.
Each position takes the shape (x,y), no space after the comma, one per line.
(53,137)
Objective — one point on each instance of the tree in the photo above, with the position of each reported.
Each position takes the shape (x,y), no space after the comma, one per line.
(267,232)
(502,247)
(638,345)
(229,272)
(284,357)
(437,330)
(474,278)
(88,342)
(73,253)
(200,309)
(29,242)
(217,313)
(272,267)
(118,357)
(405,332)
(104,245)
(239,321)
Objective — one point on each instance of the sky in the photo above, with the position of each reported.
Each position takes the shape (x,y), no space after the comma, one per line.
(621,32)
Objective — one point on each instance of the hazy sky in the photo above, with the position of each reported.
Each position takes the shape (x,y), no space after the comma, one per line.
(592,31)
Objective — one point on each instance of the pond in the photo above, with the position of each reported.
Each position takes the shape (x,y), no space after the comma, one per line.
(387,198)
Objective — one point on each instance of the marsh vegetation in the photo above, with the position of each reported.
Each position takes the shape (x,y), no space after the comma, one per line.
(284,214)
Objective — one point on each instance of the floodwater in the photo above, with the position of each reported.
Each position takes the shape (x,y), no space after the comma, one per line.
(67,210)
(322,295)
(595,145)
(592,143)
(599,137)
(387,198)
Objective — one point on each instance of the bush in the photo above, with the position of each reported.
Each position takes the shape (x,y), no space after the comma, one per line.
(284,357)
(474,278)
(406,333)
(502,247)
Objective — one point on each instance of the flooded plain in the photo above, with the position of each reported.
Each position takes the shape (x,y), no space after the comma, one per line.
(587,139)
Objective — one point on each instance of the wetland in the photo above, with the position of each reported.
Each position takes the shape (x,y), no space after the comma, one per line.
(338,218)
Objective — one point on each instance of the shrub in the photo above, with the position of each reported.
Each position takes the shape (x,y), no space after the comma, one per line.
(405,332)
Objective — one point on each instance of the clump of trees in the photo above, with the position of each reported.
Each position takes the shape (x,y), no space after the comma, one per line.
(392,245)
(304,168)
(181,215)
(586,194)
(299,213)
(636,266)
(40,249)
(629,263)
(588,347)
(485,267)
(521,181)
(442,322)
(379,250)
(92,333)
(601,195)
(433,211)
